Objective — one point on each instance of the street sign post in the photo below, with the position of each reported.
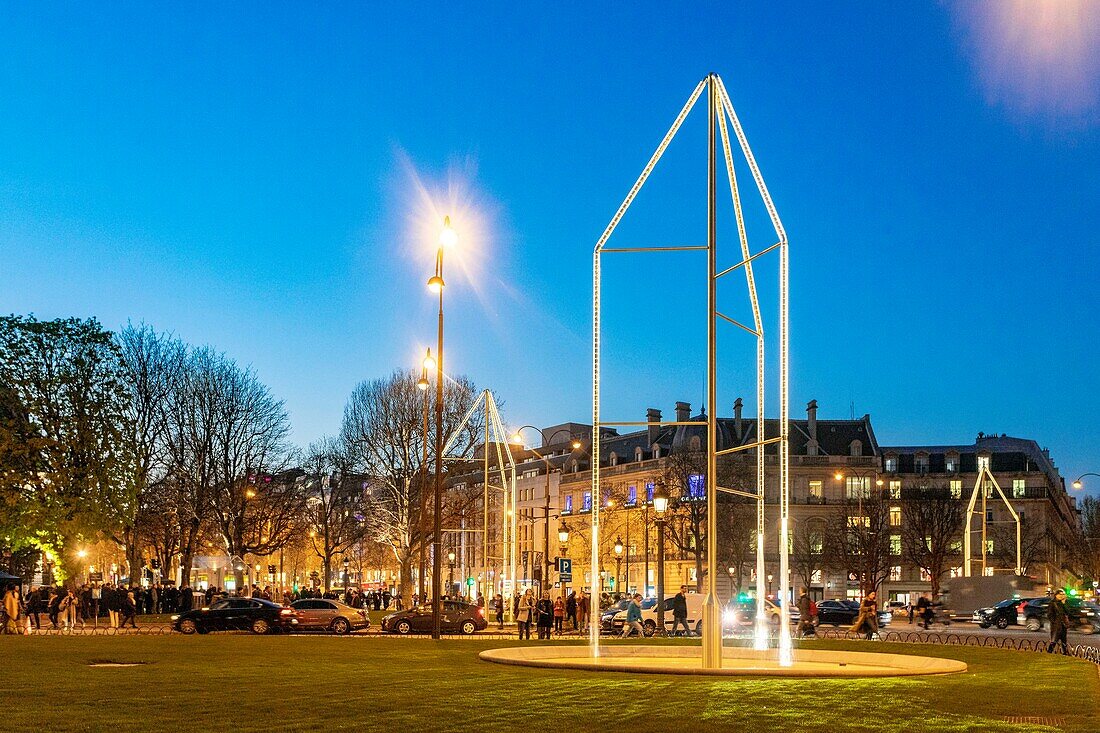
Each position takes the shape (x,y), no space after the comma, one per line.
(565,570)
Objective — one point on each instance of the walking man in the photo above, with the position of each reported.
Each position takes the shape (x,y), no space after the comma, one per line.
(634,617)
(806,612)
(524,612)
(680,612)
(1059,622)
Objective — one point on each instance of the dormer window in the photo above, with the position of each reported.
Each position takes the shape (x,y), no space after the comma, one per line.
(920,463)
(891,464)
(855,448)
(951,463)
(696,444)
(638,454)
(614,459)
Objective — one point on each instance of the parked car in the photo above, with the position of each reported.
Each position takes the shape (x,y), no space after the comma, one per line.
(457,616)
(743,613)
(843,612)
(237,614)
(1002,615)
(329,615)
(607,615)
(649,614)
(1082,614)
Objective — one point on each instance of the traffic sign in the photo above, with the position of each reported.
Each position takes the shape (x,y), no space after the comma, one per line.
(565,570)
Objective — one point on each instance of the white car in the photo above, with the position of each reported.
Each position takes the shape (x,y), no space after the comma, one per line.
(743,613)
(649,614)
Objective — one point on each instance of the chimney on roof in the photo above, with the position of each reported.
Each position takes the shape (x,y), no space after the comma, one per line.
(737,405)
(811,419)
(683,411)
(653,417)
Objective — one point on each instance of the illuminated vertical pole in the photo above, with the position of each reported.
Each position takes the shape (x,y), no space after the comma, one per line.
(483,582)
(785,657)
(594,455)
(712,619)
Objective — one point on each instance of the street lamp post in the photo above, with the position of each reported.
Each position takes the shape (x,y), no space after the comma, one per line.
(447,237)
(563,540)
(1078,484)
(769,585)
(451,576)
(347,576)
(660,505)
(422,566)
(618,562)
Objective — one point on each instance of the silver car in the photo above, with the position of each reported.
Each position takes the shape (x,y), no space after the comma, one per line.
(323,614)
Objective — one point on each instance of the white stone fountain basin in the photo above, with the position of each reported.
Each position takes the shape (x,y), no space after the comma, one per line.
(736,661)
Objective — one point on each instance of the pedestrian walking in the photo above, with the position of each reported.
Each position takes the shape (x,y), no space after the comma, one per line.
(571,608)
(525,609)
(633,617)
(867,621)
(924,610)
(70,610)
(680,612)
(129,610)
(53,606)
(12,608)
(545,615)
(1059,622)
(807,614)
(583,605)
(559,614)
(498,607)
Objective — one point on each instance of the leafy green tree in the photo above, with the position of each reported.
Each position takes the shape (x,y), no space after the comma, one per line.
(66,399)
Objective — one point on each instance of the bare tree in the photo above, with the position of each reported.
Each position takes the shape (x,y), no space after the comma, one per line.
(151,365)
(858,539)
(808,548)
(383,436)
(335,509)
(1088,543)
(932,524)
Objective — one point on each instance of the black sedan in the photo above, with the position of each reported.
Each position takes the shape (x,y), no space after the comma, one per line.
(838,612)
(1083,615)
(464,618)
(237,614)
(1002,615)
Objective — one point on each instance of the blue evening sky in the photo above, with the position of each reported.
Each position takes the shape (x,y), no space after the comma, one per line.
(259,177)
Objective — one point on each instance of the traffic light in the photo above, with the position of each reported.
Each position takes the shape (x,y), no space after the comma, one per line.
(154,564)
(470,582)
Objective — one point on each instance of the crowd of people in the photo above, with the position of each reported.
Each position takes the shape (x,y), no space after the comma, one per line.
(118,606)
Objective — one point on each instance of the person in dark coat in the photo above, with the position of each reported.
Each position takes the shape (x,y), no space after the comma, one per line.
(1059,622)
(867,621)
(187,598)
(545,616)
(571,609)
(53,605)
(112,599)
(924,610)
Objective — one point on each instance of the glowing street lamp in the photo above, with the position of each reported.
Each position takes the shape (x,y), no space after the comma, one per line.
(1078,484)
(448,238)
(660,506)
(618,557)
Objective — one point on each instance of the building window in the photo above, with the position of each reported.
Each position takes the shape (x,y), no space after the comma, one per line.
(855,448)
(857,487)
(815,489)
(586,502)
(696,444)
(531,474)
(568,505)
(632,496)
(989,547)
(1019,488)
(816,544)
(895,516)
(895,544)
(816,577)
(696,487)
(957,547)
(983,463)
(951,463)
(955,573)
(956,488)
(638,454)
(924,576)
(891,464)
(614,459)
(920,463)
(895,573)
(895,489)
(648,492)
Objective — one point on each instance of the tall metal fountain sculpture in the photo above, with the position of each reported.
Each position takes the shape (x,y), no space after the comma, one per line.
(721,117)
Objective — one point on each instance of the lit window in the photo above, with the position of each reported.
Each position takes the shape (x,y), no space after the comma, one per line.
(568,505)
(816,544)
(989,547)
(983,463)
(1019,488)
(895,516)
(895,489)
(857,487)
(924,576)
(586,502)
(951,463)
(955,573)
(920,464)
(815,489)
(895,573)
(956,488)
(895,544)
(696,486)
(649,492)
(816,578)
(631,495)
(891,465)
(957,547)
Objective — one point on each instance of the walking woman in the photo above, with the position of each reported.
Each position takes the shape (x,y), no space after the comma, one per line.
(498,608)
(867,621)
(524,614)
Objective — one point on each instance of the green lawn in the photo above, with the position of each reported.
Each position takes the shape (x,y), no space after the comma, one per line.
(281,683)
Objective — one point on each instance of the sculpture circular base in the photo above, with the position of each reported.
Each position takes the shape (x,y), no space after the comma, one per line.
(736,661)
